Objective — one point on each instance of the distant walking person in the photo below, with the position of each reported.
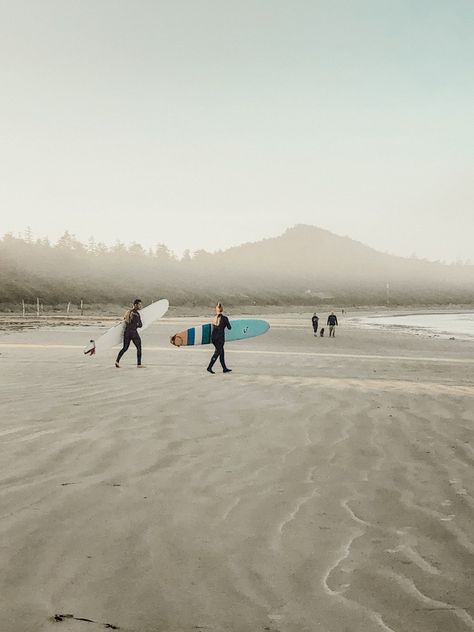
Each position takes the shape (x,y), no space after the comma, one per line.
(332,322)
(219,325)
(315,321)
(133,322)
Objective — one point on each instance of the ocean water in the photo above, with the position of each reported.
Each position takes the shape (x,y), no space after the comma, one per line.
(443,325)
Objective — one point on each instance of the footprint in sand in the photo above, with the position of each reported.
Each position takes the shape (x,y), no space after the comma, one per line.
(448,518)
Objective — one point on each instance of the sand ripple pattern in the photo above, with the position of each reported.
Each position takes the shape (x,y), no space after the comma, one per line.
(274,501)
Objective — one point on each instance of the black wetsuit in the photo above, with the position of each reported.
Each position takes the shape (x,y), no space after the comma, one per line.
(218,340)
(332,322)
(315,321)
(131,335)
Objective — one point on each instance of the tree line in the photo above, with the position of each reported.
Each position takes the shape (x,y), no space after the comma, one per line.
(304,266)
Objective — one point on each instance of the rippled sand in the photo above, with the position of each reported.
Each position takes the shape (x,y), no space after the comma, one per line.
(323,485)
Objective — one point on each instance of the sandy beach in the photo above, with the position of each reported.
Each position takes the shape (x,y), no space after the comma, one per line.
(324,485)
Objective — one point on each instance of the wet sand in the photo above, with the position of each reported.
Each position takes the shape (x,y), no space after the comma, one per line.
(323,485)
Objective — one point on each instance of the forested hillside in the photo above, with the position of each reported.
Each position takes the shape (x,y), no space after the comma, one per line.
(305,265)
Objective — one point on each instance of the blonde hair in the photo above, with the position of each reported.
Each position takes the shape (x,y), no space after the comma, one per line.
(217,319)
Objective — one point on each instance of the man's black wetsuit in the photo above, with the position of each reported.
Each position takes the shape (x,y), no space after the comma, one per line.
(218,340)
(131,335)
(315,321)
(332,322)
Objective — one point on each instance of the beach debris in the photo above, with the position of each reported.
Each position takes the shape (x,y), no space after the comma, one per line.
(61,617)
(57,618)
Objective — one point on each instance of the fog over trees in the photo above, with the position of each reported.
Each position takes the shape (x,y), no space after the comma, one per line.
(305,265)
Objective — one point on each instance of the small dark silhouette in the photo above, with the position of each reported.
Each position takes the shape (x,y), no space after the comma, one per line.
(321,333)
(332,322)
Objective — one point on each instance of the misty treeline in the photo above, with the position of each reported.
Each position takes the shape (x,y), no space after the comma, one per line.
(304,266)
(70,270)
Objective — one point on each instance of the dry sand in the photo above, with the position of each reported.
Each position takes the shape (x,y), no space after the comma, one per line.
(324,485)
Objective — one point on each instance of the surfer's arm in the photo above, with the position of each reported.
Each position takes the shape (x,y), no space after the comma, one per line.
(227,324)
(139,321)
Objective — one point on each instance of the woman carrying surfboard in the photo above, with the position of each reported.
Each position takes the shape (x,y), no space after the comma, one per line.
(219,325)
(132,323)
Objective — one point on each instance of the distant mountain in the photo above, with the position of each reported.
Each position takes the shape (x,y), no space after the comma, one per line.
(308,259)
(305,252)
(304,265)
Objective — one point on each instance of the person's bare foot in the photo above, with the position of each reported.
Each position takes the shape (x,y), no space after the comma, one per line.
(141,366)
(117,365)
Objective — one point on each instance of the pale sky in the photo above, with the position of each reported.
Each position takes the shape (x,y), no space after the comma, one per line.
(207,123)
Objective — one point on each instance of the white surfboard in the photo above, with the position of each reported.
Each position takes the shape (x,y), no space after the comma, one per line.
(114,336)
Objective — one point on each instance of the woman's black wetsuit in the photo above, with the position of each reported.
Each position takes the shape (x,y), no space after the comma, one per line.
(218,340)
(131,335)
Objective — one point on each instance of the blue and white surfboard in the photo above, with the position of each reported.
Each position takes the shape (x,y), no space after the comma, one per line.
(201,335)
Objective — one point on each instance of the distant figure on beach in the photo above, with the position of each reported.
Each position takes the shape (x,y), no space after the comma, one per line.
(343,312)
(132,323)
(321,333)
(315,321)
(332,322)
(219,325)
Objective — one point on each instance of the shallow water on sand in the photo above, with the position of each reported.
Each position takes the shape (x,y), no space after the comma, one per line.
(461,325)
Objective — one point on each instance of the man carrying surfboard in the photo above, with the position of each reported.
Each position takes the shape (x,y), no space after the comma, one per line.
(132,323)
(219,325)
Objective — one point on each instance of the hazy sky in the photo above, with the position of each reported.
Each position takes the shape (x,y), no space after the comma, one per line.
(206,123)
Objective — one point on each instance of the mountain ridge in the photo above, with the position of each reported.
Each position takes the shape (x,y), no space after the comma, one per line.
(304,263)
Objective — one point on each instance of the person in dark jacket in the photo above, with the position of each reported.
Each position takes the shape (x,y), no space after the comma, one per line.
(332,322)
(219,325)
(133,322)
(315,321)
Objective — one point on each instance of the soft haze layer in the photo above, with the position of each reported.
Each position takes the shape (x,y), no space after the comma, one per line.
(204,124)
